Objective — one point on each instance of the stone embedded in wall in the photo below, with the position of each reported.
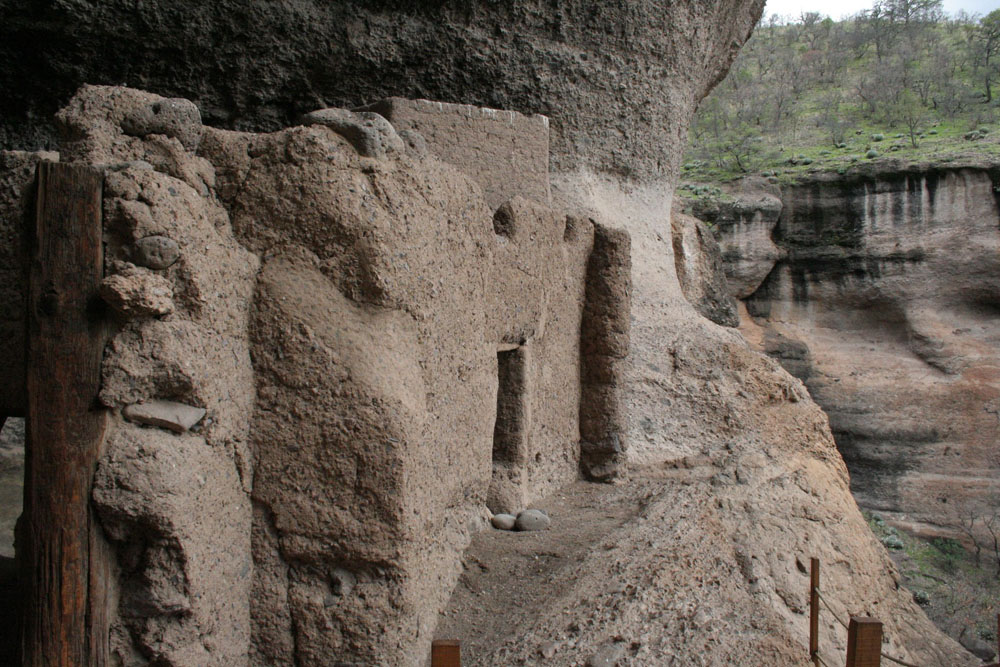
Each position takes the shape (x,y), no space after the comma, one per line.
(176,118)
(370,134)
(137,292)
(166,414)
(156,252)
(506,152)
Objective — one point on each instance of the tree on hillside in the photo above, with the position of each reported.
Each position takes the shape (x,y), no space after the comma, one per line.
(912,113)
(890,21)
(913,13)
(986,50)
(832,118)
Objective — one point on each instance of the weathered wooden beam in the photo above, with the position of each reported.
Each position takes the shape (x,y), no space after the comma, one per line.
(864,642)
(446,653)
(66,556)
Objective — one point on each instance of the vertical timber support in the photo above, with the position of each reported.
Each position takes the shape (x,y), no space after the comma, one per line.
(864,642)
(66,558)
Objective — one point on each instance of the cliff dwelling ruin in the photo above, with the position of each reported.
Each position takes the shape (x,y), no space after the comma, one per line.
(353,289)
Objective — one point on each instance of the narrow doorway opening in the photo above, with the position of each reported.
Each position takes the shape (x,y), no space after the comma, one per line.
(509,432)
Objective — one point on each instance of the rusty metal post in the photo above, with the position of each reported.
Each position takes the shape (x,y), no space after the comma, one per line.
(864,642)
(446,653)
(814,610)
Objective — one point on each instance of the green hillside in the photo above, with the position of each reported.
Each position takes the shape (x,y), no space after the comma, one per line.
(901,79)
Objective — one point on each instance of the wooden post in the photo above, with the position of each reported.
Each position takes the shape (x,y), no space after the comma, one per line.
(864,642)
(446,653)
(814,610)
(66,558)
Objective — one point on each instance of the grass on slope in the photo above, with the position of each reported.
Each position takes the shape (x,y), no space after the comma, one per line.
(958,594)
(941,143)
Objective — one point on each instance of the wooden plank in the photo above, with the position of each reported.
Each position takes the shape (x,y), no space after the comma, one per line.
(864,642)
(66,557)
(814,610)
(446,653)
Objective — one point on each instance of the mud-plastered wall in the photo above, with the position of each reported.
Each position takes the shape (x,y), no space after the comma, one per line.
(330,356)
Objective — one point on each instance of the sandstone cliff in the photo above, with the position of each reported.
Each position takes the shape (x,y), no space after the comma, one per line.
(883,301)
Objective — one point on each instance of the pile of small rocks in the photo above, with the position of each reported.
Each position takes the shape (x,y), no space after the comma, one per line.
(524,521)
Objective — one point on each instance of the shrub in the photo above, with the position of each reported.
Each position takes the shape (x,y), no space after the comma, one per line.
(806,160)
(922,598)
(878,137)
(892,542)
(871,153)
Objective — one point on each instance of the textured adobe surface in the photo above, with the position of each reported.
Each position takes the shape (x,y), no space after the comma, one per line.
(507,153)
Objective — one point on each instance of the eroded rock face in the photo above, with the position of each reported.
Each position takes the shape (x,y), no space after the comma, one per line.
(618,81)
(744,227)
(701,271)
(886,307)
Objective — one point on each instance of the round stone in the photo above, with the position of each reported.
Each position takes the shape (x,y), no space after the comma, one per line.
(156,252)
(503,521)
(532,520)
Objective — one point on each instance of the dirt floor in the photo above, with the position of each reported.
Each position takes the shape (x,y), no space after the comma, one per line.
(509,575)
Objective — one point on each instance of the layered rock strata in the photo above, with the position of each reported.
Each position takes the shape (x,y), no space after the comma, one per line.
(885,306)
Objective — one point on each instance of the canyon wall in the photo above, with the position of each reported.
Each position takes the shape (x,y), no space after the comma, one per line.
(884,299)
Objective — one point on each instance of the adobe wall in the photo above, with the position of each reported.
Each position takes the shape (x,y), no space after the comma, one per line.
(505,152)
(305,373)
